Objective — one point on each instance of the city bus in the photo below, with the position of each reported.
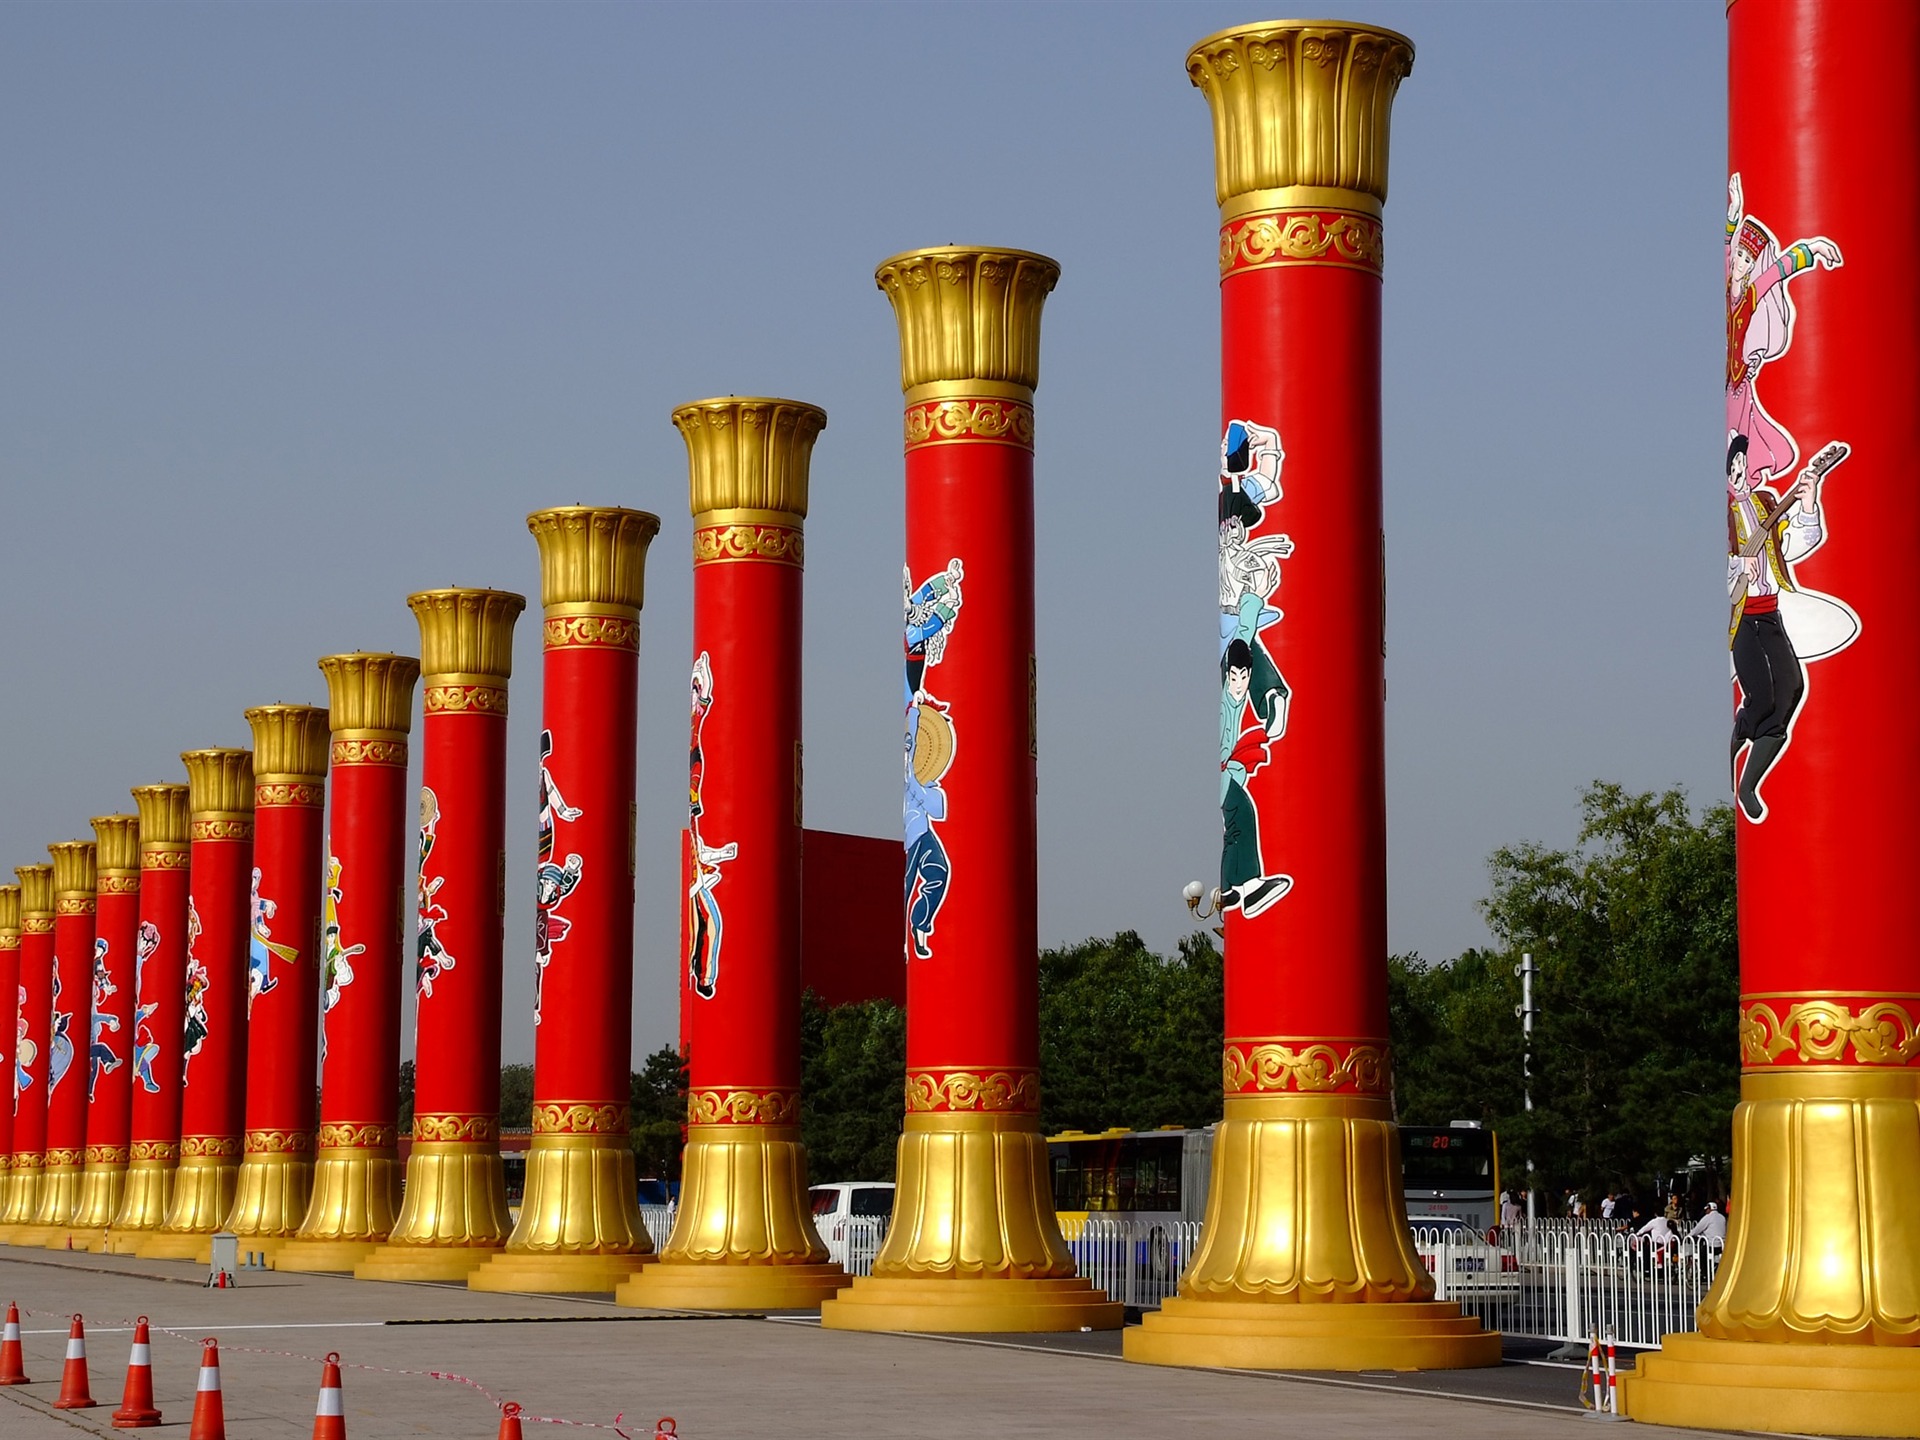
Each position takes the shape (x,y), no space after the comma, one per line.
(1151,1181)
(1451,1170)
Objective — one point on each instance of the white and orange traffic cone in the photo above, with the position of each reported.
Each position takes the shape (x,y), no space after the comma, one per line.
(509,1421)
(209,1411)
(136,1410)
(74,1394)
(329,1419)
(13,1366)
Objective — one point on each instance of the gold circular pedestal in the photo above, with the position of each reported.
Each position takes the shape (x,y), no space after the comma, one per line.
(1281,1335)
(580,1229)
(961,1305)
(536,1273)
(1811,1389)
(447,1264)
(671,1285)
(322,1257)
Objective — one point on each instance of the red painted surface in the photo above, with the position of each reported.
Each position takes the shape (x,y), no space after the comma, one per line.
(282,1029)
(9,1028)
(213,1102)
(110,1111)
(366,838)
(73,969)
(36,1008)
(1824,128)
(160,1009)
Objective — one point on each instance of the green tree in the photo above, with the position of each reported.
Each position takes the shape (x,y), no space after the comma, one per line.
(516,1097)
(659,1112)
(406,1096)
(853,1063)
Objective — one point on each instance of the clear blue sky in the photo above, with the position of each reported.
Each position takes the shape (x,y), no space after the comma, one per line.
(305,306)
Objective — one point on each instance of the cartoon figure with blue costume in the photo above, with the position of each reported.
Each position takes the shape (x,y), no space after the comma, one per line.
(145,1048)
(705,924)
(25,1052)
(931,611)
(60,1048)
(262,951)
(100,1055)
(199,1025)
(552,883)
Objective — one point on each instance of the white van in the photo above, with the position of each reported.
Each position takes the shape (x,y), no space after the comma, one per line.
(852,1216)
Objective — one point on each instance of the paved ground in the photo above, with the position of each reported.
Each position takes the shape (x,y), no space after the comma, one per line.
(584,1360)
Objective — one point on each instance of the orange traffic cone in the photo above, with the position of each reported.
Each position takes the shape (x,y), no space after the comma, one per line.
(136,1410)
(13,1370)
(509,1421)
(209,1413)
(73,1376)
(329,1420)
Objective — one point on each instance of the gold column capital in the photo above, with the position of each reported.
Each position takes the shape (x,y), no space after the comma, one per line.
(219,783)
(36,892)
(1300,103)
(164,817)
(968,313)
(466,632)
(749,452)
(117,841)
(593,555)
(9,918)
(74,872)
(289,744)
(368,691)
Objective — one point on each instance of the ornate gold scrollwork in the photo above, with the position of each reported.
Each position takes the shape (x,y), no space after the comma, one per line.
(1256,242)
(1006,422)
(74,905)
(281,793)
(62,1155)
(164,859)
(743,1107)
(155,1150)
(1879,1032)
(456,699)
(346,1135)
(279,1142)
(572,1117)
(1314,1067)
(780,544)
(456,1127)
(36,925)
(220,830)
(1016,1090)
(107,1154)
(372,752)
(216,1146)
(120,884)
(563,631)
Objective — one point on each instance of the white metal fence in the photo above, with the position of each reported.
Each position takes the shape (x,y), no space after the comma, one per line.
(1137,1262)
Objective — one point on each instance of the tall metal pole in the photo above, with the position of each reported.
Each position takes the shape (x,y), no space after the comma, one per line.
(1526,970)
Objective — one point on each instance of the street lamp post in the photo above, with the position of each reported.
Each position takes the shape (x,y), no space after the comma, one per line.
(1525,1010)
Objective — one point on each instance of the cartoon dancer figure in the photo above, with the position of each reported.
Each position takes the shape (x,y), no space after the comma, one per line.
(1244,885)
(198,1026)
(60,1047)
(336,972)
(261,950)
(929,755)
(25,1052)
(1760,325)
(551,883)
(145,1048)
(705,925)
(930,614)
(431,957)
(100,1056)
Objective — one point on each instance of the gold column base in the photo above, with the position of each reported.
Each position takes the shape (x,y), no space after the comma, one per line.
(23,1195)
(203,1188)
(144,1200)
(743,1237)
(101,1186)
(1810,1389)
(355,1205)
(580,1226)
(1268,1335)
(453,1215)
(270,1196)
(59,1200)
(975,1244)
(322,1257)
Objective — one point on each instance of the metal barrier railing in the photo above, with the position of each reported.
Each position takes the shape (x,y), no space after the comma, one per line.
(1137,1262)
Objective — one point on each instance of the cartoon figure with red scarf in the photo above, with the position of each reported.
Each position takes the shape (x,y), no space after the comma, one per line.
(551,883)
(705,924)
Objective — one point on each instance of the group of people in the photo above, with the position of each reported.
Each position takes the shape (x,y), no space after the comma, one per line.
(1621,1212)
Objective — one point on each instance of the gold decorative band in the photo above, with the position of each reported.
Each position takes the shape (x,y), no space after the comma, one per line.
(575,1117)
(391,753)
(220,829)
(929,391)
(74,905)
(108,1154)
(456,1127)
(969,419)
(616,632)
(165,857)
(36,925)
(743,1107)
(10,940)
(1299,197)
(1310,1066)
(780,544)
(64,1156)
(348,733)
(162,1150)
(1272,239)
(1825,1029)
(116,882)
(296,795)
(278,1142)
(350,1135)
(465,699)
(28,1160)
(219,1147)
(956,1089)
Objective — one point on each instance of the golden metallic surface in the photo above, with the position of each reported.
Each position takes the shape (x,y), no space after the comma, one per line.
(575,1117)
(466,632)
(1817,1029)
(969,420)
(968,313)
(164,815)
(356,1202)
(289,744)
(271,1193)
(1298,197)
(1250,1334)
(74,874)
(727,1105)
(1707,1384)
(463,699)
(1300,102)
(102,1184)
(456,1127)
(961,1304)
(780,544)
(145,1198)
(1270,241)
(59,1198)
(117,842)
(370,691)
(369,748)
(9,916)
(203,1187)
(580,1226)
(36,892)
(672,1285)
(561,632)
(748,452)
(453,1213)
(593,554)
(219,784)
(953,1088)
(937,390)
(1308,1066)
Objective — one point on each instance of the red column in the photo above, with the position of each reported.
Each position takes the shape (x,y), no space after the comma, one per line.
(214,1038)
(743,1237)
(67,1067)
(110,1035)
(974,1205)
(283,970)
(454,1213)
(1305,1203)
(579,1223)
(159,1014)
(31,1030)
(9,1017)
(356,1183)
(1822,1262)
